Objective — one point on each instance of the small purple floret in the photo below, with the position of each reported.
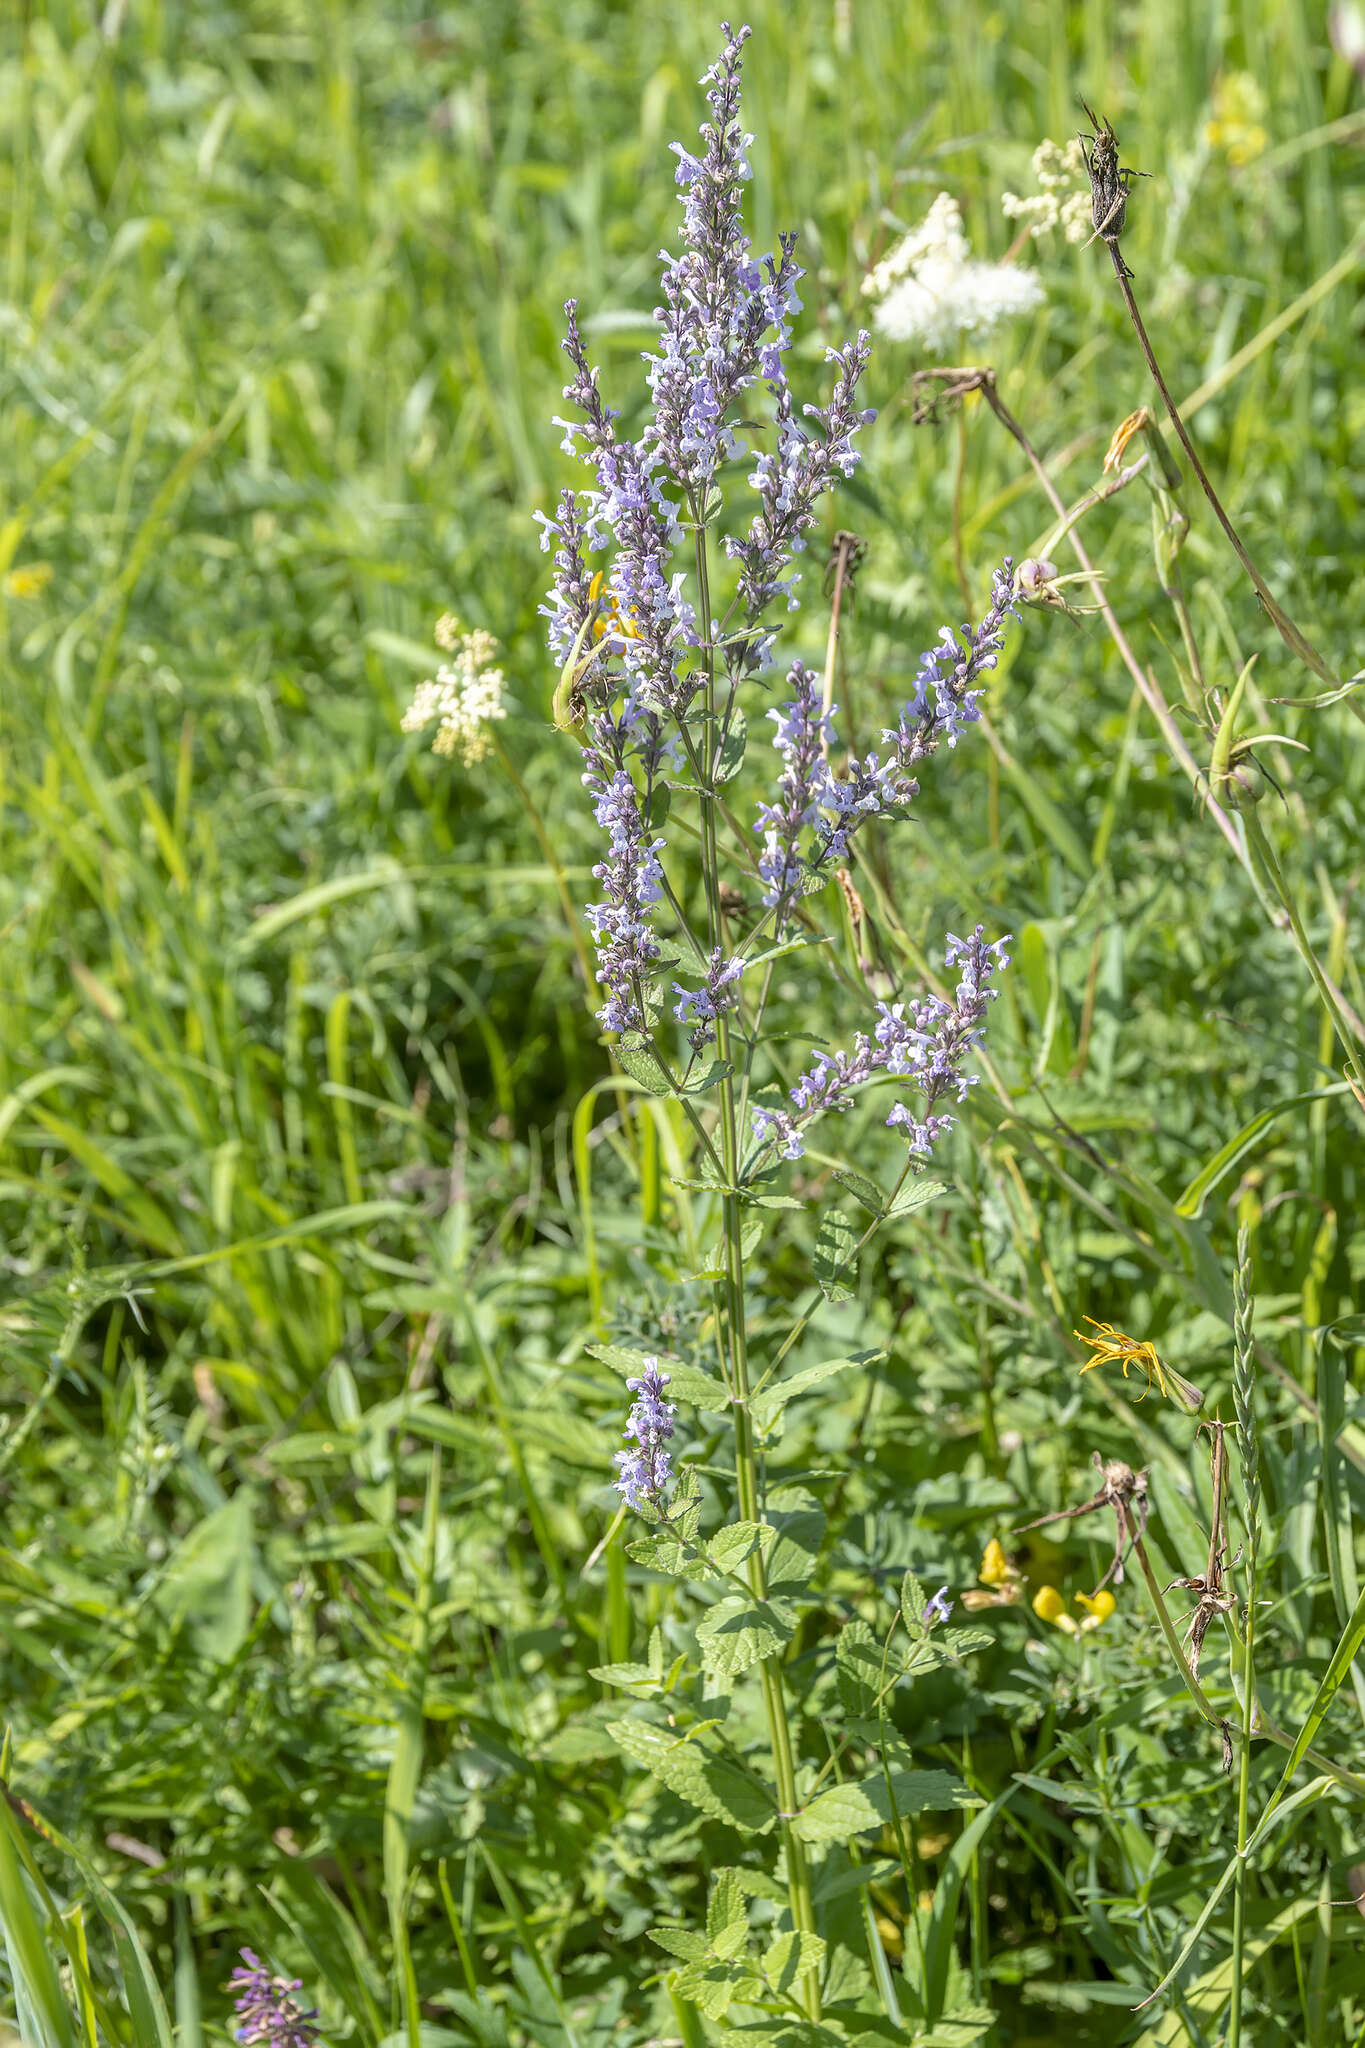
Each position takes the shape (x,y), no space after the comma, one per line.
(267,2011)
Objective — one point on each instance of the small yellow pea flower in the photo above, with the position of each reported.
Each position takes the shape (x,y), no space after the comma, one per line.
(994,1564)
(1098,1607)
(1237,125)
(1049,1605)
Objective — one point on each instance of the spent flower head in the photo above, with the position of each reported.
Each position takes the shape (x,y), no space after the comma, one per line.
(269,2014)
(464,696)
(1116,1347)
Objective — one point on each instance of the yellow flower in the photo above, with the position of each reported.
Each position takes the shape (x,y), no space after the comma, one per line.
(994,1565)
(612,618)
(1049,1605)
(1098,1607)
(1238,110)
(1116,1347)
(1123,434)
(30,579)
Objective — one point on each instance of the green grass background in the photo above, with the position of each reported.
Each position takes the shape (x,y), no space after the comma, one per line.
(295,1062)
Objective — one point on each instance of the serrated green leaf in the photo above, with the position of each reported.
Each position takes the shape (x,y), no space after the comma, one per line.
(730,1546)
(681,1941)
(799,1525)
(711,1783)
(917,1194)
(714,1073)
(861,1188)
(792,1956)
(767,1406)
(738,1632)
(624,1674)
(732,746)
(833,1250)
(858,1667)
(645,1067)
(848,1810)
(725,1909)
(914,1600)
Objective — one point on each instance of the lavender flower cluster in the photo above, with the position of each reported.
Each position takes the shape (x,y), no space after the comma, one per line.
(724,324)
(268,2013)
(927,1047)
(812,799)
(645,1473)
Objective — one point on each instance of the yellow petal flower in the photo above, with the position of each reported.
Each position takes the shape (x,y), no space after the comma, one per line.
(1098,1607)
(30,579)
(1049,1605)
(994,1564)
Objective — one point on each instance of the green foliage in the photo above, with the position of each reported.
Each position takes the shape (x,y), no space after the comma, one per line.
(312,1166)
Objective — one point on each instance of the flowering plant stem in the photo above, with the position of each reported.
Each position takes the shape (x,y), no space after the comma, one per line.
(732,1310)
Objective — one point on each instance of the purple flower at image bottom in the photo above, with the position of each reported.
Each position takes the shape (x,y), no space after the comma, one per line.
(268,2013)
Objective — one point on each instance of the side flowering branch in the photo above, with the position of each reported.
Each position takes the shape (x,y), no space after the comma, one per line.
(924,1043)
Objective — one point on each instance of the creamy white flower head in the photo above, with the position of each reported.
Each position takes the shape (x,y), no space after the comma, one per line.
(463,696)
(1063,196)
(932,291)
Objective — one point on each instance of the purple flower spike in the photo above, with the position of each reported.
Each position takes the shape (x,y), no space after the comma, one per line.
(951,671)
(633,880)
(645,1473)
(267,2011)
(928,1047)
(803,787)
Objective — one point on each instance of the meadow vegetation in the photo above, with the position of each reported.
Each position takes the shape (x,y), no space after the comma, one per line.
(332,1221)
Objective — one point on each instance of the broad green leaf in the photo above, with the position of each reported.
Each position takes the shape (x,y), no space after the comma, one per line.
(681,1941)
(848,1810)
(207,1584)
(917,1194)
(799,1525)
(708,1078)
(792,1956)
(861,1188)
(767,1406)
(645,1066)
(737,1632)
(726,1910)
(711,1783)
(833,1249)
(730,1546)
(732,746)
(858,1667)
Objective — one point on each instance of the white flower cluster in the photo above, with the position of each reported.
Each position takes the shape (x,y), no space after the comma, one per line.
(465,694)
(932,291)
(1063,196)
